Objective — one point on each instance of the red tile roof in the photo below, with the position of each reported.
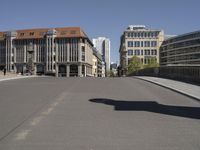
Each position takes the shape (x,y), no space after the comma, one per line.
(67,32)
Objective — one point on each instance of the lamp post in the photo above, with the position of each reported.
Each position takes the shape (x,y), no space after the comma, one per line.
(30,63)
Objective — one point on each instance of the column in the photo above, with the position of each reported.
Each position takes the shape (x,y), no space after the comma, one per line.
(80,70)
(24,69)
(68,70)
(35,53)
(15,68)
(35,69)
(68,50)
(24,53)
(79,51)
(85,71)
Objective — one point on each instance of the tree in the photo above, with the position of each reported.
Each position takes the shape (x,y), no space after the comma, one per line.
(135,64)
(110,73)
(152,62)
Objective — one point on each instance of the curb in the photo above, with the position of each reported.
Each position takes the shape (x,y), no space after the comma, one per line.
(170,88)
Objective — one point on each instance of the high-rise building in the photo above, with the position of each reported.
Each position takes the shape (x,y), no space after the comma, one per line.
(102,45)
(61,51)
(139,41)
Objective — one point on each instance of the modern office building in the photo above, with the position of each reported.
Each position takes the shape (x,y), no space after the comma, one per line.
(182,50)
(102,45)
(113,68)
(60,51)
(137,40)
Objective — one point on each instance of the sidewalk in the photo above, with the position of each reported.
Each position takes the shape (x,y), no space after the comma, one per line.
(11,76)
(181,87)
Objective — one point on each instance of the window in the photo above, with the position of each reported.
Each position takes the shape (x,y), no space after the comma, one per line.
(153,34)
(139,34)
(137,43)
(142,34)
(83,53)
(142,44)
(21,34)
(145,34)
(147,52)
(132,34)
(153,52)
(130,43)
(153,43)
(148,34)
(137,52)
(147,44)
(130,52)
(141,52)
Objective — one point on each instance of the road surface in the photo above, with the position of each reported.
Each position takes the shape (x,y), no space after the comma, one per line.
(95,114)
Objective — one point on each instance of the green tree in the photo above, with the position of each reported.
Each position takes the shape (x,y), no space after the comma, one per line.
(110,73)
(135,64)
(152,62)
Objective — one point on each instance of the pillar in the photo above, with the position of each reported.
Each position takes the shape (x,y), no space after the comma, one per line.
(80,70)
(68,70)
(85,71)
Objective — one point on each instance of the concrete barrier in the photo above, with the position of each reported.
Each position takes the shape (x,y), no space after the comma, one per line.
(181,73)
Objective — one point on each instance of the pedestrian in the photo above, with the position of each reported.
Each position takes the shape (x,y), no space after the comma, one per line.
(4,71)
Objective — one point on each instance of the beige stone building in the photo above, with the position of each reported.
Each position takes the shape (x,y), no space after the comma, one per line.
(97,64)
(58,51)
(139,41)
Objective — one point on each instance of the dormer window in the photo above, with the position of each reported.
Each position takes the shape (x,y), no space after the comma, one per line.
(72,32)
(31,33)
(64,32)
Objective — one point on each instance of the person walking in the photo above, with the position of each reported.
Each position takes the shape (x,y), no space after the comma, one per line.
(4,71)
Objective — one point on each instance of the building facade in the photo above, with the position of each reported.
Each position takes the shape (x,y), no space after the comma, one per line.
(60,51)
(97,64)
(182,50)
(102,45)
(139,41)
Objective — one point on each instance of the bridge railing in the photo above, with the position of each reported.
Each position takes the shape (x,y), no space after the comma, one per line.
(182,73)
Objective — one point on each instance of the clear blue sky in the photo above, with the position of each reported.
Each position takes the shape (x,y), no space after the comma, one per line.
(107,18)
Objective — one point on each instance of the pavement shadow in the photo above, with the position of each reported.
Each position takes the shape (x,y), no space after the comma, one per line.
(151,106)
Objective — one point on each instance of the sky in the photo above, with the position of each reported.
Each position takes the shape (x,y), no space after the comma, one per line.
(102,18)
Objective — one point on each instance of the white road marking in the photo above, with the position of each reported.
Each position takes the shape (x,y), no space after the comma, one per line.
(48,111)
(35,121)
(22,135)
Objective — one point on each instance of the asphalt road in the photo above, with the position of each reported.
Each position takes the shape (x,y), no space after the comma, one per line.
(95,114)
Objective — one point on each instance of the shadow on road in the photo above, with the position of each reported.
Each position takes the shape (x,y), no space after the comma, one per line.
(151,106)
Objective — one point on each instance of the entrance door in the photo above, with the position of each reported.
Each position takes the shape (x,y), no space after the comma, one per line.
(62,71)
(40,69)
(73,70)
